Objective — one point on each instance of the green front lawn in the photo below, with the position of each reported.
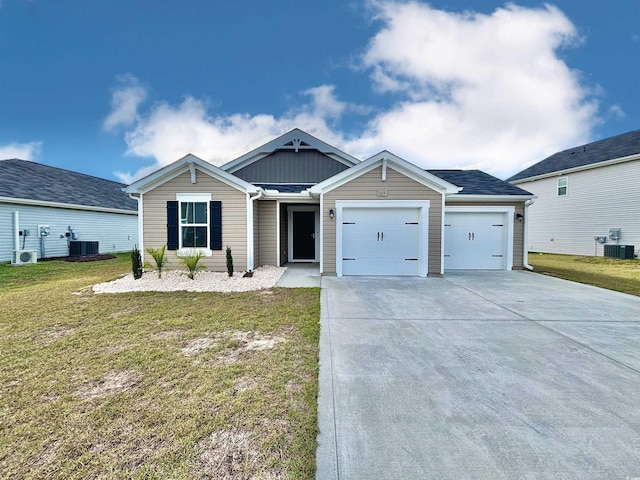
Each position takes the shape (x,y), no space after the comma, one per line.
(150,385)
(610,273)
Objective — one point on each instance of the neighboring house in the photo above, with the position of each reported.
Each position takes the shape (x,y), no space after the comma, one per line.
(298,199)
(585,192)
(55,206)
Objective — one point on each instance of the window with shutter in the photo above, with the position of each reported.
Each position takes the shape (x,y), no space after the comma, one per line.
(194,222)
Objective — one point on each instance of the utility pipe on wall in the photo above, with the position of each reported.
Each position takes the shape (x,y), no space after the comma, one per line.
(525,253)
(16,230)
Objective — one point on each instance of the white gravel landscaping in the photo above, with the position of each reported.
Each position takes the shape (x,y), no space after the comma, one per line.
(176,280)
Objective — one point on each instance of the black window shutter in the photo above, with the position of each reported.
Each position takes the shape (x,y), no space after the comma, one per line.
(215,225)
(172,226)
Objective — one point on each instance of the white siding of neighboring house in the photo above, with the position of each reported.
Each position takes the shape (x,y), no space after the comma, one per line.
(598,199)
(114,232)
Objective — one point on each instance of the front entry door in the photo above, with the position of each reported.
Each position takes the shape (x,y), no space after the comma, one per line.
(304,235)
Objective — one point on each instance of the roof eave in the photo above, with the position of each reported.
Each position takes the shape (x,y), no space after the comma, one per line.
(590,166)
(72,206)
(488,198)
(278,143)
(186,164)
(397,163)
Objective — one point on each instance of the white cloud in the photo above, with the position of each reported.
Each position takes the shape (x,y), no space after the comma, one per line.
(616,112)
(167,133)
(23,151)
(125,101)
(468,90)
(478,91)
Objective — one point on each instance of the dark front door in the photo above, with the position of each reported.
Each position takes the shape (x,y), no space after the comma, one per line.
(304,235)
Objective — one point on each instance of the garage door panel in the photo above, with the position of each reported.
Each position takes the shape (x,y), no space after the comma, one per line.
(475,240)
(378,266)
(380,241)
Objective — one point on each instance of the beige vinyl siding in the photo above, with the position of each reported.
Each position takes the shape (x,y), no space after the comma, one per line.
(518,227)
(398,187)
(234,218)
(597,200)
(268,232)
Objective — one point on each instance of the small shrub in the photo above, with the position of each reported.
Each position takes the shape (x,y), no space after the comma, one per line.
(136,263)
(159,257)
(191,263)
(229,262)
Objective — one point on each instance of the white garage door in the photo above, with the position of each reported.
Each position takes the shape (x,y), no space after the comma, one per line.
(475,240)
(380,241)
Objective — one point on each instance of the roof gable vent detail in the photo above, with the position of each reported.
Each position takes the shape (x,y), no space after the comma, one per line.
(296,143)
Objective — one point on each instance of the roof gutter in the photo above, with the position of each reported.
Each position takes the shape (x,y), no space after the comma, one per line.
(487,198)
(71,206)
(580,168)
(525,246)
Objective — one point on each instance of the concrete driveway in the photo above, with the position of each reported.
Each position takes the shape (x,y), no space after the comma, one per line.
(480,375)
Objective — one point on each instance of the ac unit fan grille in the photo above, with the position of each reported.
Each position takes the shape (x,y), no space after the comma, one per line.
(25,257)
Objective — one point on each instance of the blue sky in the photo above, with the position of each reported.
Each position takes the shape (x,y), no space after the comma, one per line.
(116,88)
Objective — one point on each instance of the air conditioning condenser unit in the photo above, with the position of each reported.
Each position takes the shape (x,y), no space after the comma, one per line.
(23,257)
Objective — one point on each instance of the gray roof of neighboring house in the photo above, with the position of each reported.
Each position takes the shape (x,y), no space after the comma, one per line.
(34,181)
(595,152)
(477,182)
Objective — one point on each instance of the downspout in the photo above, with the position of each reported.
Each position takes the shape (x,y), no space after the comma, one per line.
(525,248)
(16,230)
(250,231)
(140,224)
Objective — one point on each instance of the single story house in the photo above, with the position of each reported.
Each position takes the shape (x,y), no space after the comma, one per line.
(43,209)
(587,198)
(299,199)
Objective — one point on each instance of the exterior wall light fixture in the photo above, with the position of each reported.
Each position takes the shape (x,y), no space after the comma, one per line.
(331,213)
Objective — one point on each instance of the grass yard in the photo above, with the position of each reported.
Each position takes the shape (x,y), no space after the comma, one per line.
(153,385)
(611,273)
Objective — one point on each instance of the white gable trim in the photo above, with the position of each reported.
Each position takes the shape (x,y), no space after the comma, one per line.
(296,137)
(391,161)
(188,163)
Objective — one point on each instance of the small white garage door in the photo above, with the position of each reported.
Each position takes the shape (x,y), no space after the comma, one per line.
(475,240)
(380,241)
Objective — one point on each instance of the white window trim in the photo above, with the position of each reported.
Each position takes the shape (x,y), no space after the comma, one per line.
(193,197)
(566,187)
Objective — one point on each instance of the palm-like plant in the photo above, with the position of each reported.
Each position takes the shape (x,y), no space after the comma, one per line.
(191,263)
(159,257)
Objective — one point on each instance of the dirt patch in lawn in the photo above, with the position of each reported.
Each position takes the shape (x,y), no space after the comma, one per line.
(113,382)
(231,454)
(244,383)
(169,334)
(232,344)
(55,333)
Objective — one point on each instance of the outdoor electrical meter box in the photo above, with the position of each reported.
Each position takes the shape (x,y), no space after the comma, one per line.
(614,233)
(44,230)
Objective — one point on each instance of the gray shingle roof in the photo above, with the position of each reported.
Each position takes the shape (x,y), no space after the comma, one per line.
(34,181)
(285,188)
(595,152)
(477,182)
